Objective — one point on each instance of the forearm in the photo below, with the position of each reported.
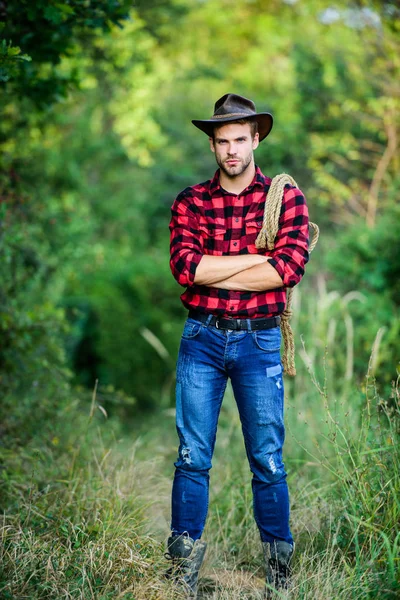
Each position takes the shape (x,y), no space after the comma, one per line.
(256,279)
(214,269)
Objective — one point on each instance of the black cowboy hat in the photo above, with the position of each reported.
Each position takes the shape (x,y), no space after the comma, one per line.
(232,107)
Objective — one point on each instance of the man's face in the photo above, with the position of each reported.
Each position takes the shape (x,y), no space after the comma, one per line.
(233,148)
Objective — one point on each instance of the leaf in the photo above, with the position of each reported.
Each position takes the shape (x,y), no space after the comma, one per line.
(53,15)
(24,57)
(64,8)
(13,50)
(102,410)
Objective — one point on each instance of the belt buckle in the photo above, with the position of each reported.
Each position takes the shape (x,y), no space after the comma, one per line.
(233,321)
(216,322)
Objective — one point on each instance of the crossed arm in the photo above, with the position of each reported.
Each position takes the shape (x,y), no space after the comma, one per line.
(245,272)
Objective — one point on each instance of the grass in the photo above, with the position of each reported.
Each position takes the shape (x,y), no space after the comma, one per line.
(86,503)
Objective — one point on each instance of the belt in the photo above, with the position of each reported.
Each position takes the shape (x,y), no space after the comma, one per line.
(235,324)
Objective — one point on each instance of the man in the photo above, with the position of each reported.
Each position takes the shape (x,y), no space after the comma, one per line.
(234,294)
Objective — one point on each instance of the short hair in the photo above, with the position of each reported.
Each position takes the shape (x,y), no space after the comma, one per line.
(252,122)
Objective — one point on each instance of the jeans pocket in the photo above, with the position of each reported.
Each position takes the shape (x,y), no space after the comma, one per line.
(191,329)
(268,340)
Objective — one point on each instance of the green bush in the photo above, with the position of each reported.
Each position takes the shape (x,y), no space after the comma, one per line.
(367,261)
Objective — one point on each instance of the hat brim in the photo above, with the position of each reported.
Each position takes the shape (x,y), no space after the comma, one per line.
(264,120)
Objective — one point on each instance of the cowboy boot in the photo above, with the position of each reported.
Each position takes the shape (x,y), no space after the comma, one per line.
(187,557)
(277,557)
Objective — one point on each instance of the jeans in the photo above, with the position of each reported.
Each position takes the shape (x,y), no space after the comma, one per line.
(207,357)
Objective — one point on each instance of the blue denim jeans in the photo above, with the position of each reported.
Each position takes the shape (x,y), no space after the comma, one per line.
(207,357)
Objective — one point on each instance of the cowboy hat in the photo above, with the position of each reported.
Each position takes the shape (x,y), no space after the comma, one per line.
(232,107)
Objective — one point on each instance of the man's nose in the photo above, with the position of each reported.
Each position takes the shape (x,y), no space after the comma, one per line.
(232,148)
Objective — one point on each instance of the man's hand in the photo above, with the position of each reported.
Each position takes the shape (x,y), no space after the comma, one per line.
(258,278)
(214,269)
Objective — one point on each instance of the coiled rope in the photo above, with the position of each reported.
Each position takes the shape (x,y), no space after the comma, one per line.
(266,239)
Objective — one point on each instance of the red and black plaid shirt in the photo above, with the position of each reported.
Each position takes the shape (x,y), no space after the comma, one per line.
(206,219)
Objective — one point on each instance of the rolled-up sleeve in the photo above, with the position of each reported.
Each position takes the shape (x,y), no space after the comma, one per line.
(186,245)
(290,254)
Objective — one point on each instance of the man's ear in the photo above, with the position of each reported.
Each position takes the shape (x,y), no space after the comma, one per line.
(212,147)
(256,141)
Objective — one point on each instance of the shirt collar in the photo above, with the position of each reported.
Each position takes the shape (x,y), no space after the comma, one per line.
(259,180)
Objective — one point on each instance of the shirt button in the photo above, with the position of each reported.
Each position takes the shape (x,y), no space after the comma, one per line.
(231,308)
(236,220)
(235,243)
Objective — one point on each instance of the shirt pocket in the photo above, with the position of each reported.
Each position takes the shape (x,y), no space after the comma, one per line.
(252,228)
(214,238)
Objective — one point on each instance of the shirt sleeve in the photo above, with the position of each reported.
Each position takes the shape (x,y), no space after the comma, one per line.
(290,254)
(186,244)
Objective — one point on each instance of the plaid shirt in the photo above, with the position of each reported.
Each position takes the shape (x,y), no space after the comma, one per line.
(206,219)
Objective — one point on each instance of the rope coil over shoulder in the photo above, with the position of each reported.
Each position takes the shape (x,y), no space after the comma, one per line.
(266,239)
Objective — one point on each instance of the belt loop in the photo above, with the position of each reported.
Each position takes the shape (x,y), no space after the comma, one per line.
(248,325)
(209,319)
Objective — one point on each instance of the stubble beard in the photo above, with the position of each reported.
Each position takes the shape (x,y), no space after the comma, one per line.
(236,170)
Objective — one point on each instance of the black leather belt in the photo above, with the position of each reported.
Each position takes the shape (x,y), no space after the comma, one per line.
(235,324)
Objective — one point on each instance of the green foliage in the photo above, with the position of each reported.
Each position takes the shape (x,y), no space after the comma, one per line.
(100,169)
(374,265)
(10,56)
(31,325)
(48,31)
(372,268)
(37,235)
